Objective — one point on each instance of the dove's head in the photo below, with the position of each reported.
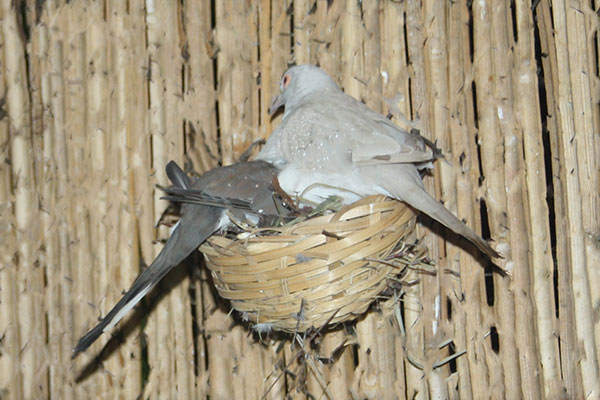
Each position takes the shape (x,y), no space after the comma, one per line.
(299,83)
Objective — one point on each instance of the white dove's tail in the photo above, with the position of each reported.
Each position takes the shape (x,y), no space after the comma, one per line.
(421,200)
(403,183)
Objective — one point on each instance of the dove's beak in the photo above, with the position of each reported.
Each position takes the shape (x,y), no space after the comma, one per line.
(277,102)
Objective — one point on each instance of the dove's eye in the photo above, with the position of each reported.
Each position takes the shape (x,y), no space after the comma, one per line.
(285,81)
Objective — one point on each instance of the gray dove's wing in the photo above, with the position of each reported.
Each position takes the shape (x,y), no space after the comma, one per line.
(246,180)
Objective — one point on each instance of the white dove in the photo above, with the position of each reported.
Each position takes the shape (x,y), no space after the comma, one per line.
(332,140)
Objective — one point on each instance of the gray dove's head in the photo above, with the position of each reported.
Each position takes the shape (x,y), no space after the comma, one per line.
(300,82)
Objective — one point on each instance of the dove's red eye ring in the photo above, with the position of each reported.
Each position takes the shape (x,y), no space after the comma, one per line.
(285,81)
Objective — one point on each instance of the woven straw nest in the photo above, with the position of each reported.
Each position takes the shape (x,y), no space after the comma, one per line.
(326,269)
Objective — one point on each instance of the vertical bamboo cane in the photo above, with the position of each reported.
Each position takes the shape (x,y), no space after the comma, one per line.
(170,345)
(72,99)
(436,70)
(200,96)
(237,41)
(395,91)
(581,50)
(121,108)
(361,65)
(271,17)
(202,145)
(571,377)
(415,319)
(61,319)
(10,376)
(29,278)
(516,329)
(570,104)
(102,199)
(327,32)
(58,379)
(302,30)
(527,102)
(464,165)
(131,31)
(279,47)
(481,365)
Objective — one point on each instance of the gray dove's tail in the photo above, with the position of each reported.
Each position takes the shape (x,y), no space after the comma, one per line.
(174,252)
(198,222)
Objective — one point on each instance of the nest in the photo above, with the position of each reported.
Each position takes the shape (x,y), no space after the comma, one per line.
(323,270)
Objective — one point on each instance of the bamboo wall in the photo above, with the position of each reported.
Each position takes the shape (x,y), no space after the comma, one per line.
(97,96)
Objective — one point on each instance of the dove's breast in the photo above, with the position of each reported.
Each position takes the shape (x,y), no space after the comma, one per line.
(316,186)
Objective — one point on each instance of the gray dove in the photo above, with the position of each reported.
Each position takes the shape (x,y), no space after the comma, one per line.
(243,190)
(329,143)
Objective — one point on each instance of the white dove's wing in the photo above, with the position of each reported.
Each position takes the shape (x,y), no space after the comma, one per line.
(382,142)
(360,136)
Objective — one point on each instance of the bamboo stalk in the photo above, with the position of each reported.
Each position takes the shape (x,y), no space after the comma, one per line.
(280,54)
(326,36)
(160,323)
(202,145)
(10,376)
(379,375)
(69,57)
(221,350)
(394,70)
(236,40)
(491,159)
(395,91)
(29,279)
(236,37)
(265,22)
(120,109)
(516,329)
(465,169)
(351,36)
(302,29)
(581,26)
(338,374)
(57,377)
(436,68)
(132,31)
(569,105)
(416,380)
(59,281)
(101,199)
(171,346)
(199,104)
(255,69)
(201,286)
(37,50)
(527,102)
(132,88)
(571,377)
(369,380)
(273,384)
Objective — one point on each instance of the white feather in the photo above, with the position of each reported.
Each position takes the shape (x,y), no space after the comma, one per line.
(126,309)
